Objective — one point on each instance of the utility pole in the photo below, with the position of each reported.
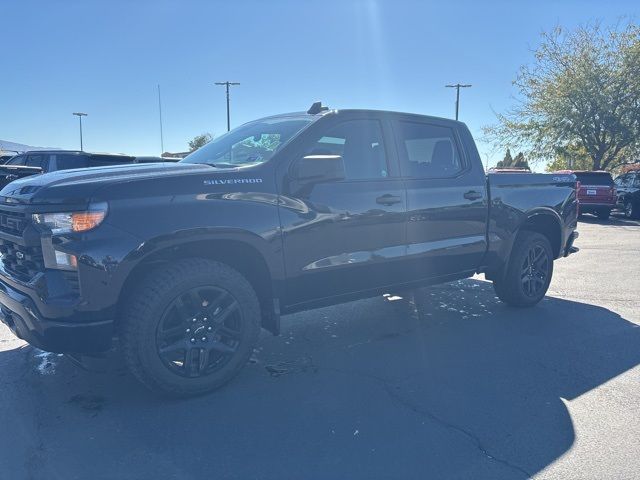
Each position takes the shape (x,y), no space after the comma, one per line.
(160,112)
(227,84)
(80,115)
(458,86)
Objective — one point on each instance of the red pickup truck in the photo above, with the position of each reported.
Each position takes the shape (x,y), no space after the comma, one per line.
(596,192)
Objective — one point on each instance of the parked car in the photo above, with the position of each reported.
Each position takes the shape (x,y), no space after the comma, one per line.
(156,159)
(185,262)
(628,193)
(6,155)
(42,161)
(596,192)
(509,170)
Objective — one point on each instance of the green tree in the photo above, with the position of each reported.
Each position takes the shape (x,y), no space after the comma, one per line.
(573,157)
(520,162)
(199,141)
(507,161)
(581,93)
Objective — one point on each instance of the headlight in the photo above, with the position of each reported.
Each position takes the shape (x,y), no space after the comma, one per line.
(73,221)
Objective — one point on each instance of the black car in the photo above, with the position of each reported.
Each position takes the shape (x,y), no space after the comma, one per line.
(156,159)
(44,161)
(185,262)
(628,193)
(5,156)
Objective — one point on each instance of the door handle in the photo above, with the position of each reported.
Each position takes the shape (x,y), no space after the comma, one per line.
(388,199)
(472,195)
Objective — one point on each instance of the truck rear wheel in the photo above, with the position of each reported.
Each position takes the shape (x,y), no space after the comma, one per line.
(190,327)
(528,272)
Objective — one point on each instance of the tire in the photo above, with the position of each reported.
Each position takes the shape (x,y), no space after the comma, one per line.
(630,209)
(604,214)
(190,327)
(528,273)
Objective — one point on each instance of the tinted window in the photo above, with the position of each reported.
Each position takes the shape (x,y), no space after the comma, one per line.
(636,181)
(360,144)
(108,160)
(66,162)
(19,160)
(37,160)
(594,178)
(428,151)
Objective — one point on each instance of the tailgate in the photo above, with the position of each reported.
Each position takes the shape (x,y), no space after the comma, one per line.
(596,194)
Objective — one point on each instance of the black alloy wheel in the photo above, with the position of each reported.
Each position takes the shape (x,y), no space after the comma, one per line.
(535,270)
(199,331)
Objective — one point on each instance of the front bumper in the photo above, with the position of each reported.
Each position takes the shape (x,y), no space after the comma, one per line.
(21,315)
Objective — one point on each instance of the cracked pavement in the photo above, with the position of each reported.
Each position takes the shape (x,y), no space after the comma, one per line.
(444,382)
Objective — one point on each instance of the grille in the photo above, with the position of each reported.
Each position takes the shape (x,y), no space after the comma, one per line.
(21,262)
(12,223)
(73,282)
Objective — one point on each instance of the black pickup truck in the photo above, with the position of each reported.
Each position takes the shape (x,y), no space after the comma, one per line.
(184,263)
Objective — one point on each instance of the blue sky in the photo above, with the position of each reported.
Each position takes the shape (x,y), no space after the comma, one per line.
(107,58)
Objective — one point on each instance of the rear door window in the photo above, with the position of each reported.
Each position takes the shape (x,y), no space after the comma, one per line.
(428,151)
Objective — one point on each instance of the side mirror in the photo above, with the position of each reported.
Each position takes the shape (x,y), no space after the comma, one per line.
(319,168)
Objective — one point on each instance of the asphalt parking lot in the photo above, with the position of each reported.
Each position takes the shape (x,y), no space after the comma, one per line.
(442,383)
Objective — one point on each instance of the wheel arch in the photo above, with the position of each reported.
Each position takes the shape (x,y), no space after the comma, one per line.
(247,255)
(548,223)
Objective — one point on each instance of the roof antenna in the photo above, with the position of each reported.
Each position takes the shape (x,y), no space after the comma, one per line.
(317,108)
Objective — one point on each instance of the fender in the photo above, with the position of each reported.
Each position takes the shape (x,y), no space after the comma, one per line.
(530,215)
(270,251)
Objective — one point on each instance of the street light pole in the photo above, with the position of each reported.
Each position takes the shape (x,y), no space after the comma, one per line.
(160,113)
(458,86)
(227,84)
(80,115)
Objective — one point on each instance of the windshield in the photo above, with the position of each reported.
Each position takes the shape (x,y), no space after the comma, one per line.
(251,144)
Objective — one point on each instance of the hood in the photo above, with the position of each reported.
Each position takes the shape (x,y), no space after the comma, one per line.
(78,186)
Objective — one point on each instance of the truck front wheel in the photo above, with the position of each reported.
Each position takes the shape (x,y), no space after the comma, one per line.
(528,272)
(190,327)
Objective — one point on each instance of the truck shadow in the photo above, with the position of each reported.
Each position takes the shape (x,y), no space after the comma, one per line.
(440,383)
